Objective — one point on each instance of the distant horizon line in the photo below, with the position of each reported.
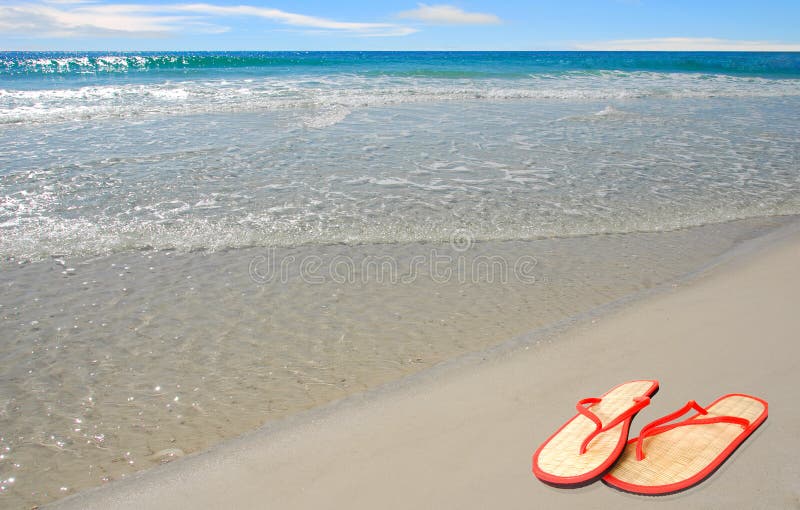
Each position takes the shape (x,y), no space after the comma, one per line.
(386,51)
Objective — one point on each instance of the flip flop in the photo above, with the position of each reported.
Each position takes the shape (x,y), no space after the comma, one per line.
(671,457)
(592,440)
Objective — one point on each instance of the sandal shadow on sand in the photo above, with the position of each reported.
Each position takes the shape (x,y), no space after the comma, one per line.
(671,457)
(589,443)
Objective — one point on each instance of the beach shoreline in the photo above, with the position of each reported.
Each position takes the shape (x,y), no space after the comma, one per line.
(161,355)
(461,434)
(194,245)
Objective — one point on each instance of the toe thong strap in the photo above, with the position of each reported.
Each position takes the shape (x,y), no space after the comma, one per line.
(662,424)
(581,406)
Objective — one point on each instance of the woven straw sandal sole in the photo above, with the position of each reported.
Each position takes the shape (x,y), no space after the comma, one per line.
(682,457)
(561,461)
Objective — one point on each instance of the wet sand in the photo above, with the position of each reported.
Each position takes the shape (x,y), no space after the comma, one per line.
(461,435)
(116,364)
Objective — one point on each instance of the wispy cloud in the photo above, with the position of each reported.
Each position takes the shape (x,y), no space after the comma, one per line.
(448,15)
(69,2)
(86,18)
(686,44)
(297,20)
(47,20)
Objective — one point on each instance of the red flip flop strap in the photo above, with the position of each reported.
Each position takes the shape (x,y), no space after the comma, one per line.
(639,403)
(658,426)
(586,412)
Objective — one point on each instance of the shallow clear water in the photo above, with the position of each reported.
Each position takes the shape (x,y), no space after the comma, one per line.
(499,170)
(194,244)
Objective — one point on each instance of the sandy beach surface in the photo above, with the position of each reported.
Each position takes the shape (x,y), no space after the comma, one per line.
(461,435)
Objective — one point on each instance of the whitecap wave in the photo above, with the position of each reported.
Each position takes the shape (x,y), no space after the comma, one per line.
(332,98)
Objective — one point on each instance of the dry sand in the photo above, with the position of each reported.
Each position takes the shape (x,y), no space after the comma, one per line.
(462,435)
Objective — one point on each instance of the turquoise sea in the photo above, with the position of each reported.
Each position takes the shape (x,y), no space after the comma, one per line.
(93,66)
(218,150)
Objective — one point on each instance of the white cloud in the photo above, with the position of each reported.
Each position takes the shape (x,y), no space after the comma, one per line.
(69,2)
(298,20)
(685,44)
(449,15)
(86,18)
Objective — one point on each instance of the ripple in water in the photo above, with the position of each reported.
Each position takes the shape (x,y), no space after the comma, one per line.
(519,170)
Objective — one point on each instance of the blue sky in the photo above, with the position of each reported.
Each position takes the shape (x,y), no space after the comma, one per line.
(399,25)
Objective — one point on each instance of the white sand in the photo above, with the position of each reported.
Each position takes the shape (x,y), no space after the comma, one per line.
(462,437)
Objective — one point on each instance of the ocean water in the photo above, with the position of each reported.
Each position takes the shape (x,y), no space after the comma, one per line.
(194,244)
(105,153)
